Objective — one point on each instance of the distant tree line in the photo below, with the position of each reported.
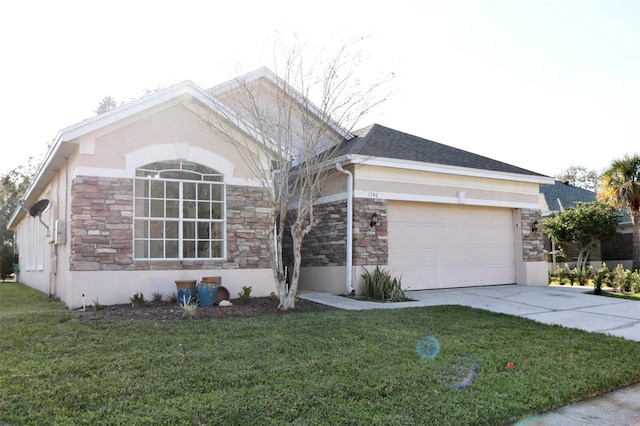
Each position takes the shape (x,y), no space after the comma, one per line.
(13,186)
(581,177)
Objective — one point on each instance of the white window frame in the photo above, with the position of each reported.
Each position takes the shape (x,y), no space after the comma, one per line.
(180,173)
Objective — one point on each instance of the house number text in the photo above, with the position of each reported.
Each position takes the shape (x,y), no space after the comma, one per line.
(373,194)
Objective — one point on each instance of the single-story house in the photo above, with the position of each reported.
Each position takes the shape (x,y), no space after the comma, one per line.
(612,250)
(138,197)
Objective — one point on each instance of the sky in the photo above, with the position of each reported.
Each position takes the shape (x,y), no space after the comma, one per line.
(540,84)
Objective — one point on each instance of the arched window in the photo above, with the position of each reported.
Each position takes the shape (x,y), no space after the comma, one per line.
(179,212)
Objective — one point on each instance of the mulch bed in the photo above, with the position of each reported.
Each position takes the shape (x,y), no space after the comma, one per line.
(170,311)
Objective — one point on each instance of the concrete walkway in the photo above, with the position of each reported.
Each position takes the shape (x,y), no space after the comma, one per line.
(566,306)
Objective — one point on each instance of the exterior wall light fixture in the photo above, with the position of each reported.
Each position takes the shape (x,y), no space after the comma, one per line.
(374,220)
(534,226)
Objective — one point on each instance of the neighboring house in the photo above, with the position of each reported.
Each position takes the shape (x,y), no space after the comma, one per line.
(145,194)
(613,250)
(561,195)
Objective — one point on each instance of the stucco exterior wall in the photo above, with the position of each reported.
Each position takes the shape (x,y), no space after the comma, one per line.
(170,133)
(416,185)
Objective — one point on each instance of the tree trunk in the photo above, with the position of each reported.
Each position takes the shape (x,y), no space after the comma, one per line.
(583,257)
(288,298)
(636,245)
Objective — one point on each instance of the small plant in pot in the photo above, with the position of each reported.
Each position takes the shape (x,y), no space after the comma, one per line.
(186,289)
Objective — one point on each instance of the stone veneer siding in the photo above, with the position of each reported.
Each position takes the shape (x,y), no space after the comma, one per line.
(532,242)
(326,244)
(101,229)
(370,244)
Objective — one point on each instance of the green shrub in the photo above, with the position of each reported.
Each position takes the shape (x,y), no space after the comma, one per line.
(601,277)
(615,275)
(635,282)
(245,293)
(579,276)
(6,261)
(624,280)
(188,310)
(621,279)
(157,296)
(563,275)
(382,287)
(137,299)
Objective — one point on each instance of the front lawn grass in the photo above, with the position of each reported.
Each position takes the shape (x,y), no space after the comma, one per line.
(332,368)
(16,298)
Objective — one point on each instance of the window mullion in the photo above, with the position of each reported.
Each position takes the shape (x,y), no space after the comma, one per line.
(180,222)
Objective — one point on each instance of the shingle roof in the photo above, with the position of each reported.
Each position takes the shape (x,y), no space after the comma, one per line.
(379,141)
(563,195)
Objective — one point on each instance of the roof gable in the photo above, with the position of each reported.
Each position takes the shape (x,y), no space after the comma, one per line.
(270,78)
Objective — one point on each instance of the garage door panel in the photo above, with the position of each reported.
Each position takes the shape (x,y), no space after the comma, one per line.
(437,245)
(418,257)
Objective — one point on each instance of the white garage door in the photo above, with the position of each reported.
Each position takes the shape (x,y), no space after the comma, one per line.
(438,245)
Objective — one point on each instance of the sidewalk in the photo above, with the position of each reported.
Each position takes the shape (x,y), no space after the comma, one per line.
(619,408)
(567,306)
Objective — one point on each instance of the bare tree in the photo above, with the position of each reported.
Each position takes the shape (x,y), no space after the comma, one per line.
(581,177)
(288,143)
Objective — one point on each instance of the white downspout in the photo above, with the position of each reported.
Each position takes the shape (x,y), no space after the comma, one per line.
(350,289)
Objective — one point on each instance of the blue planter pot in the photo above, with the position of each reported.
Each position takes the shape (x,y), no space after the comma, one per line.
(184,296)
(186,291)
(207,294)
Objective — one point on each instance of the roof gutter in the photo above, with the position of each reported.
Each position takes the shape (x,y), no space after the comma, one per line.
(350,289)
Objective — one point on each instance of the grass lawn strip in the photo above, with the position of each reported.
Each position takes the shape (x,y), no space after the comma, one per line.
(338,367)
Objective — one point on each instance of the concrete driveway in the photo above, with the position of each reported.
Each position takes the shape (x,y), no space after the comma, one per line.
(566,306)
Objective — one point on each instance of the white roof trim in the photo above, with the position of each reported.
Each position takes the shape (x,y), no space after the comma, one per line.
(399,196)
(155,99)
(441,168)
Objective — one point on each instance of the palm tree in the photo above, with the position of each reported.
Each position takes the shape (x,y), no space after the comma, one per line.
(620,188)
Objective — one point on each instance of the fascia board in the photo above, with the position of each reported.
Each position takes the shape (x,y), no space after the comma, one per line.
(454,170)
